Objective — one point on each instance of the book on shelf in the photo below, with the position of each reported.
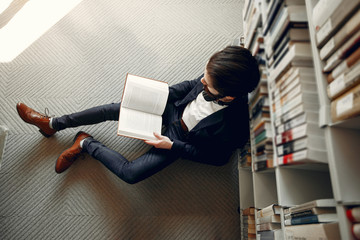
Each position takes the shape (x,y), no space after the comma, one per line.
(294,74)
(263,126)
(269,219)
(271,11)
(353,214)
(315,218)
(304,130)
(272,209)
(342,53)
(261,117)
(347,105)
(263,165)
(301,108)
(250,211)
(349,29)
(318,203)
(268,226)
(327,23)
(289,17)
(288,94)
(264,135)
(143,102)
(305,117)
(355,230)
(329,231)
(309,100)
(307,212)
(344,82)
(271,235)
(309,143)
(345,66)
(299,54)
(262,104)
(303,156)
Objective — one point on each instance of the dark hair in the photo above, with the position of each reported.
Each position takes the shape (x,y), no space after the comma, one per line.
(233,71)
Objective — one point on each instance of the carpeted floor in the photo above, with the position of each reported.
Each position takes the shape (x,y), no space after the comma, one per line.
(81,61)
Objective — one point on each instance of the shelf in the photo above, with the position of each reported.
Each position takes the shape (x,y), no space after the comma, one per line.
(295,186)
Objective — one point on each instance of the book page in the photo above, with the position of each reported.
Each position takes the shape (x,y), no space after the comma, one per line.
(144,94)
(137,124)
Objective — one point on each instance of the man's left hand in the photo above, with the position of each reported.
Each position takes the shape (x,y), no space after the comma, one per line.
(162,142)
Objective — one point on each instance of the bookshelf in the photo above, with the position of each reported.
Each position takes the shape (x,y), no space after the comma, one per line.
(331,172)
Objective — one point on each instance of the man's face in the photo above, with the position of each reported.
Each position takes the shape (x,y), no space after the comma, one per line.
(209,88)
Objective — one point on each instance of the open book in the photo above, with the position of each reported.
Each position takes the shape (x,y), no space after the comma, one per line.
(143,102)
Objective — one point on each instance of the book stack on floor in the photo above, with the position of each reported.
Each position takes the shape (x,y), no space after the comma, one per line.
(315,219)
(337,32)
(292,85)
(353,214)
(268,222)
(248,224)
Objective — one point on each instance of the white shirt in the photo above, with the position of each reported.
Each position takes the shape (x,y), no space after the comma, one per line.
(197,110)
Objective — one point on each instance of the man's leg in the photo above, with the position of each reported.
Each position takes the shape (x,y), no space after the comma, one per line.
(129,171)
(87,117)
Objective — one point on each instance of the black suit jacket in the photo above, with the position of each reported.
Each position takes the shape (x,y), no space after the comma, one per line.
(214,138)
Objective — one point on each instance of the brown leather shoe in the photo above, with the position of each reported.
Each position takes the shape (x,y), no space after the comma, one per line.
(31,116)
(70,155)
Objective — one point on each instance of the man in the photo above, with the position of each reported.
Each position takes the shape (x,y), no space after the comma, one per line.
(205,120)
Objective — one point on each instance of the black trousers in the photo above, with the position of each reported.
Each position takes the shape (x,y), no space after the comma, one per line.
(129,171)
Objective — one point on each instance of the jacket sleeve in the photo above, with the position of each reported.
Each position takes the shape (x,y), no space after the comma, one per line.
(180,90)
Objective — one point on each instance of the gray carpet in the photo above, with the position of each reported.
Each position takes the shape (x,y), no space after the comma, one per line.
(79,62)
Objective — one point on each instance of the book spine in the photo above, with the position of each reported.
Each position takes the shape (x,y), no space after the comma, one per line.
(305,220)
(344,82)
(347,105)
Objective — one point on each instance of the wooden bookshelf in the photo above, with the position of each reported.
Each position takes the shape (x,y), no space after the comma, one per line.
(294,184)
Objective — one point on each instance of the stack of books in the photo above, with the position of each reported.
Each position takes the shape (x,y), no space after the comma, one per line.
(317,219)
(248,224)
(353,214)
(337,33)
(259,108)
(268,222)
(292,85)
(245,156)
(260,127)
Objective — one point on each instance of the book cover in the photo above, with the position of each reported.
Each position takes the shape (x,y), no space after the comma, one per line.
(143,102)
